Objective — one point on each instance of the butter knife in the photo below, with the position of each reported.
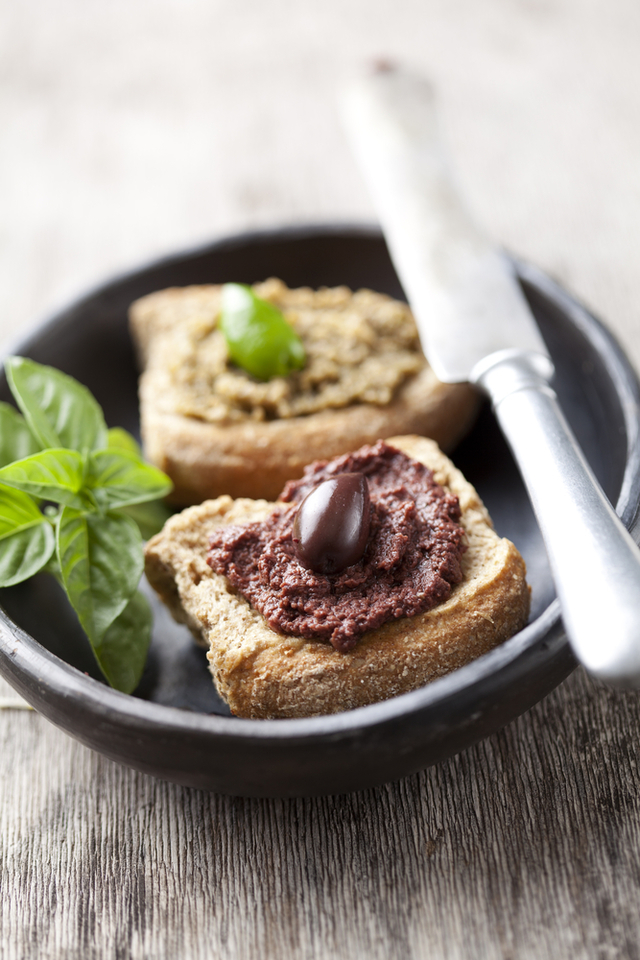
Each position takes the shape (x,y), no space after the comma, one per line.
(475,325)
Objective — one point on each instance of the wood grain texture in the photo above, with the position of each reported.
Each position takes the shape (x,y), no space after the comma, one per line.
(524,846)
(129,129)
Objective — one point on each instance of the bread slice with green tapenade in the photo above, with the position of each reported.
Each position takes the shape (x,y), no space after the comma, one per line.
(262,673)
(215,429)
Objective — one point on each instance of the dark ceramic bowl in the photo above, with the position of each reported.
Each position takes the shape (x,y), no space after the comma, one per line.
(175,727)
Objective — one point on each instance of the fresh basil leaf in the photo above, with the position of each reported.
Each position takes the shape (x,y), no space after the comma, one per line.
(118,479)
(17,511)
(16,440)
(25,553)
(59,411)
(150,517)
(26,537)
(52,566)
(119,439)
(101,564)
(259,339)
(49,475)
(122,652)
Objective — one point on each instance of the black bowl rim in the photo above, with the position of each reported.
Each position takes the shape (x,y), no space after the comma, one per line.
(40,669)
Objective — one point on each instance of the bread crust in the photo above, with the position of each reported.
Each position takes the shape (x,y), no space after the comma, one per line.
(249,458)
(263,674)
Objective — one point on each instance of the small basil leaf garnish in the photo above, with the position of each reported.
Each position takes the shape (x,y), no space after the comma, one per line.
(122,652)
(59,411)
(16,440)
(258,337)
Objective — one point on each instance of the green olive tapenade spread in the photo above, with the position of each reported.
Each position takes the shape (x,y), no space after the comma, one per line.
(216,429)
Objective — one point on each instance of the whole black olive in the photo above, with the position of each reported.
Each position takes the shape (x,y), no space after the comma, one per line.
(332,524)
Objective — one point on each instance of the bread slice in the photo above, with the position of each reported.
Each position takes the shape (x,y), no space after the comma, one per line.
(208,452)
(264,674)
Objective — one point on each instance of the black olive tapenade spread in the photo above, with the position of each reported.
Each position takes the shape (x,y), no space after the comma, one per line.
(410,563)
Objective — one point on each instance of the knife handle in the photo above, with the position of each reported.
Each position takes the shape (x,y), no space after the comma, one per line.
(594,560)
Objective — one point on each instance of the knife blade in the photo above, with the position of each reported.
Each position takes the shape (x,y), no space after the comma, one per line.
(461,288)
(475,324)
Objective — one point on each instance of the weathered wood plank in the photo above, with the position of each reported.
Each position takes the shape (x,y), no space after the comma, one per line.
(523,846)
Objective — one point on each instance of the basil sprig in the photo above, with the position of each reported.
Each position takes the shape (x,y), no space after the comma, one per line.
(258,337)
(76,499)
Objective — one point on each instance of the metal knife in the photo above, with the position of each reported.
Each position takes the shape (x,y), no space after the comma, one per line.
(475,325)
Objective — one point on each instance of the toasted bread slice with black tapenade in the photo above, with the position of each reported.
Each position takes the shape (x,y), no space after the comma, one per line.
(214,429)
(262,674)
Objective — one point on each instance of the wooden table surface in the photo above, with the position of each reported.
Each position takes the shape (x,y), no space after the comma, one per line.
(133,128)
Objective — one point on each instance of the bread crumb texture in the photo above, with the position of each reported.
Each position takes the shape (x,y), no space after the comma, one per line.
(215,429)
(263,674)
